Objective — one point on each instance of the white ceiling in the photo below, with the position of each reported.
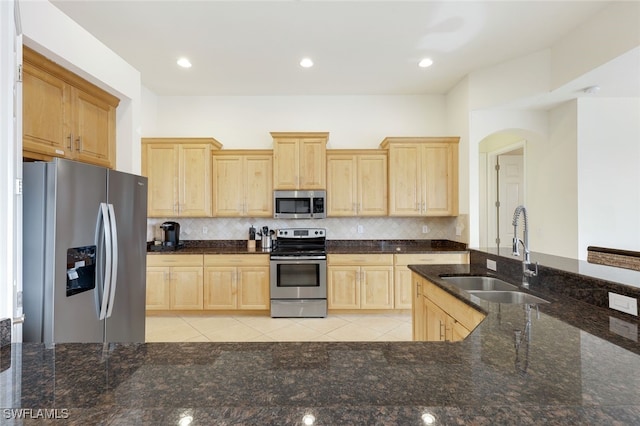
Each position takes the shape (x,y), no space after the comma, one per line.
(359,47)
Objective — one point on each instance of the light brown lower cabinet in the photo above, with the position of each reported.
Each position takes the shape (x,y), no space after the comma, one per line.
(402,280)
(360,281)
(440,316)
(174,282)
(236,282)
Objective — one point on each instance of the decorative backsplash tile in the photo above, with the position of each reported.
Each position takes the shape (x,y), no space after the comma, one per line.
(387,228)
(5,332)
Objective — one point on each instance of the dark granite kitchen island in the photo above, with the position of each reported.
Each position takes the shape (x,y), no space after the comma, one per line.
(556,363)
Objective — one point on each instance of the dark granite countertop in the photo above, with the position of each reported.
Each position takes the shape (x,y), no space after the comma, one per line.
(555,363)
(333,247)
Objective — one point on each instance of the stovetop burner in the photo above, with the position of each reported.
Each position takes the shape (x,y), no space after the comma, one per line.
(300,242)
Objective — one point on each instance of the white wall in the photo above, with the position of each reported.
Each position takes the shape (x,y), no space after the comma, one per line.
(52,33)
(8,152)
(608,155)
(242,122)
(552,185)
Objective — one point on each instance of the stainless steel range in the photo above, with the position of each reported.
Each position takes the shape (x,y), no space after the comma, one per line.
(299,273)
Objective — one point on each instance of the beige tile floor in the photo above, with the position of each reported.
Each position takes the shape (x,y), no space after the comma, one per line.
(248,328)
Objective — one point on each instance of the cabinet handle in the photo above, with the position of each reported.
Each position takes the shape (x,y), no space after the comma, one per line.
(79,143)
(442,331)
(424,207)
(418,288)
(70,141)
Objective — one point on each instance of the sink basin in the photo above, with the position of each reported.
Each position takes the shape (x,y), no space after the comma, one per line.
(514,297)
(479,283)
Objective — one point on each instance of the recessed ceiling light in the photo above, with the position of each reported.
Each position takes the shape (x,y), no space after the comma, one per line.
(425,63)
(184,63)
(306,63)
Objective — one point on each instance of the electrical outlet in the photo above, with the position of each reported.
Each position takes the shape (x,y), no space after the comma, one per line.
(623,303)
(425,229)
(205,229)
(491,264)
(360,229)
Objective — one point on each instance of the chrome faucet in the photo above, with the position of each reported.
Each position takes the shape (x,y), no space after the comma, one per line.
(526,270)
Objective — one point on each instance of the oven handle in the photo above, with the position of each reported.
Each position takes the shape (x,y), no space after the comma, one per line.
(297,258)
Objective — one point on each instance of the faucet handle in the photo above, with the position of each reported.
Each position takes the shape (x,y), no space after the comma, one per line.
(515,246)
(529,272)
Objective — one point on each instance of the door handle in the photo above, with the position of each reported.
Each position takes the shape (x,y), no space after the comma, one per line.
(114,258)
(106,226)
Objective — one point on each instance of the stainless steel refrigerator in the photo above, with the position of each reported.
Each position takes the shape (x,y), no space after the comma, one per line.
(84,257)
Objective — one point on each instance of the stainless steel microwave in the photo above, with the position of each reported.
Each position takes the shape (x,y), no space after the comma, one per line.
(299,204)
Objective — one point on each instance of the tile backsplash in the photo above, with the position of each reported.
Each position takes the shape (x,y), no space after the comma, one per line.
(377,228)
(5,332)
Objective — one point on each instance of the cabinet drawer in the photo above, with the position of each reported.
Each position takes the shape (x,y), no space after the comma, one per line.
(457,309)
(174,260)
(431,258)
(236,260)
(360,259)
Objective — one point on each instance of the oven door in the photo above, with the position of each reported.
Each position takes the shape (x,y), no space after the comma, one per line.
(298,277)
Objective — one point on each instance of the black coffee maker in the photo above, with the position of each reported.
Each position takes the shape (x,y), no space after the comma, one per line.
(171,234)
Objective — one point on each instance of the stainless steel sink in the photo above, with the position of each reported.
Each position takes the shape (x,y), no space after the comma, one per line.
(480,283)
(513,297)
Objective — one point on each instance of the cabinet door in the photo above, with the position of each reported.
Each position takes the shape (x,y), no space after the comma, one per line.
(372,185)
(160,165)
(229,181)
(457,331)
(45,113)
(376,287)
(195,180)
(158,289)
(94,130)
(220,288)
(186,288)
(259,186)
(436,322)
(402,288)
(253,287)
(286,164)
(343,287)
(440,180)
(404,180)
(342,185)
(312,166)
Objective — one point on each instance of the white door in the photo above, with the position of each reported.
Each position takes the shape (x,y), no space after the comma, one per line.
(510,194)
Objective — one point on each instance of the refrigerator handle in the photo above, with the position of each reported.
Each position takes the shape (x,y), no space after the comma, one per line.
(114,261)
(107,269)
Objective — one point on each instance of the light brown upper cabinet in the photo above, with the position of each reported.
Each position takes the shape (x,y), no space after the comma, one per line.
(356,183)
(299,160)
(64,115)
(179,172)
(242,183)
(423,176)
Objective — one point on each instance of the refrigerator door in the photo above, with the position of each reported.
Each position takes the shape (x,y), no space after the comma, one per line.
(75,192)
(127,198)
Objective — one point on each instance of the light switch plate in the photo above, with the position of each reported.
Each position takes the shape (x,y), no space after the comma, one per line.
(491,264)
(622,303)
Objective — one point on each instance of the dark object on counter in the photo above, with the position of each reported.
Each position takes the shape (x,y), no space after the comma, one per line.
(252,233)
(171,233)
(163,248)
